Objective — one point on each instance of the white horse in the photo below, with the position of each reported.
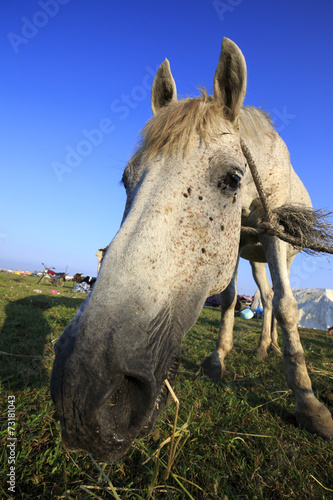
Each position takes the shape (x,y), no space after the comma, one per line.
(189,191)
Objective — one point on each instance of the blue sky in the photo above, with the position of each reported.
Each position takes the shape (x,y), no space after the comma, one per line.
(75,92)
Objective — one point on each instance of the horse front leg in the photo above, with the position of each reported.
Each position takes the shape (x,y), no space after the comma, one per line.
(213,365)
(310,413)
(268,336)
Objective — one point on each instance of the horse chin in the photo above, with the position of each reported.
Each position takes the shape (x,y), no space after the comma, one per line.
(161,398)
(127,412)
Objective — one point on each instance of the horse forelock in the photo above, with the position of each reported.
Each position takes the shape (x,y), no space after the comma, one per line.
(172,129)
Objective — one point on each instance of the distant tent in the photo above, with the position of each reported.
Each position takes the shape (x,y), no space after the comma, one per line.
(315,307)
(256,303)
(100,255)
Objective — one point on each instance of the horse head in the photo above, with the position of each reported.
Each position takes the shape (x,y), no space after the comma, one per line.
(178,243)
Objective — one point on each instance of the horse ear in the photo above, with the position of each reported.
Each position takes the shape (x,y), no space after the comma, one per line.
(230,80)
(164,88)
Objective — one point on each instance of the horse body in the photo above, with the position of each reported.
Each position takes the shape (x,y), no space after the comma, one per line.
(188,189)
(282,186)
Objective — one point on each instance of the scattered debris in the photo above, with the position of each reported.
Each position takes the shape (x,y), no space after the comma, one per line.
(81,287)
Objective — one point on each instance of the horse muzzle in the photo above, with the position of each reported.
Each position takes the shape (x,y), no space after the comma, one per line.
(104,416)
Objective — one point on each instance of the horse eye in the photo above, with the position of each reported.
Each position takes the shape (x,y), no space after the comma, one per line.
(232,181)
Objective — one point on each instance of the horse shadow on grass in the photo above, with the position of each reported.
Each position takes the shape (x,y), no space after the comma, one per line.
(31,326)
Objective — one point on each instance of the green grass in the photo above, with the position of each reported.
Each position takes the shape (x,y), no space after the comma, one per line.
(235,438)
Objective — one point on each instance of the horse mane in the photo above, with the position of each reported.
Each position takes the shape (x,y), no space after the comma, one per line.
(171,130)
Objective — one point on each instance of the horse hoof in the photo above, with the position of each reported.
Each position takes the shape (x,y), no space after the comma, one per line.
(260,353)
(315,418)
(211,366)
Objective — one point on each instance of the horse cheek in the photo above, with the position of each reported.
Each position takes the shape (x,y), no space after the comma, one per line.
(227,238)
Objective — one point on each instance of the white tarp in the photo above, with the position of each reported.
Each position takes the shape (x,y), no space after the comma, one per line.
(256,303)
(315,307)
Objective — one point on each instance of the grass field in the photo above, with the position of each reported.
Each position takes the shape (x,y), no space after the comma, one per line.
(236,438)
